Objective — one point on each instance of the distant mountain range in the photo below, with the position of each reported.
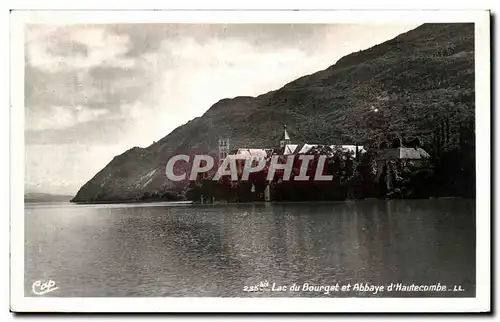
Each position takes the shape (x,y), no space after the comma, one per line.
(406,86)
(45,197)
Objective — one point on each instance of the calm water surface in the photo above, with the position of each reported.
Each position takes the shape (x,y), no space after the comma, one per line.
(217,250)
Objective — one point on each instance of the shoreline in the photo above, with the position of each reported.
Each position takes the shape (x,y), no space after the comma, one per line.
(188,202)
(193,203)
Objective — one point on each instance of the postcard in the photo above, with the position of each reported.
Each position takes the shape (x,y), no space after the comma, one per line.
(250,161)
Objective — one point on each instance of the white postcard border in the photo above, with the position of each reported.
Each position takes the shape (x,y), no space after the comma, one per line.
(481,302)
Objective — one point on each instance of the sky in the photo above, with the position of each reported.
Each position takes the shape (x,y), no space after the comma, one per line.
(94,91)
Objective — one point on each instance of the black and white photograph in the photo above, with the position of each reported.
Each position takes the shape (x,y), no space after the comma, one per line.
(178,157)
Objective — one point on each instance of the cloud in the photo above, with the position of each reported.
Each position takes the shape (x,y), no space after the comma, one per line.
(64,168)
(76,75)
(54,49)
(60,117)
(101,131)
(190,76)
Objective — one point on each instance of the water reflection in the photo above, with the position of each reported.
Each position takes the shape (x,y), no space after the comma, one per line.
(217,250)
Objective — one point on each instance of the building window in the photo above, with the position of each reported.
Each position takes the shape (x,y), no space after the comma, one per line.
(223,143)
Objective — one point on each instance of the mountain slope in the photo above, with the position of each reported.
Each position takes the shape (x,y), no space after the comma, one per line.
(406,86)
(45,197)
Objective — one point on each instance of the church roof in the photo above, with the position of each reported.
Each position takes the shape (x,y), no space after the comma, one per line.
(290,149)
(349,148)
(243,154)
(307,147)
(345,147)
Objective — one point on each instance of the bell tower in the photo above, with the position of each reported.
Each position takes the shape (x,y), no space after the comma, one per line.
(223,149)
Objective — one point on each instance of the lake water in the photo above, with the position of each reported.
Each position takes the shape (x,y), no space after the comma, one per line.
(217,250)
